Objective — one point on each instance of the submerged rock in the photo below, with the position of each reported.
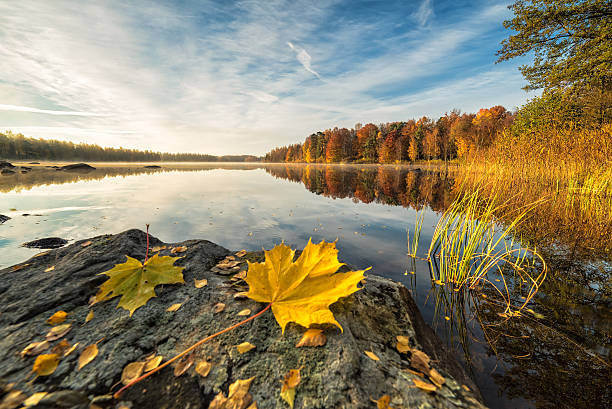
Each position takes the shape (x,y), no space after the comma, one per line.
(77,166)
(7,171)
(337,375)
(152,167)
(4,164)
(4,218)
(46,243)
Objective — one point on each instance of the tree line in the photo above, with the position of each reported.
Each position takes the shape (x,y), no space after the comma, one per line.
(17,146)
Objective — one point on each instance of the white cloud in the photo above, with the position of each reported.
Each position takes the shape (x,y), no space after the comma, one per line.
(424,12)
(304,58)
(17,108)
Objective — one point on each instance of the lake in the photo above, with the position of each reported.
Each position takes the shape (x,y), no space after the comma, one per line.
(558,357)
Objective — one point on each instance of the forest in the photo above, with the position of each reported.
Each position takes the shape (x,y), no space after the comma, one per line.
(17,146)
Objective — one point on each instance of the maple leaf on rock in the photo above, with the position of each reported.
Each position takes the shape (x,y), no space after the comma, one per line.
(136,282)
(302,291)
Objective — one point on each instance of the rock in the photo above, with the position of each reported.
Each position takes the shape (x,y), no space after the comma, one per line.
(7,172)
(4,164)
(77,166)
(46,243)
(152,167)
(337,375)
(4,218)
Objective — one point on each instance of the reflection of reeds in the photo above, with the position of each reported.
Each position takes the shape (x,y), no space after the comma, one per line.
(413,245)
(469,245)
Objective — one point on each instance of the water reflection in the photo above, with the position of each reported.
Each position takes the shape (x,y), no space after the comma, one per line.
(560,360)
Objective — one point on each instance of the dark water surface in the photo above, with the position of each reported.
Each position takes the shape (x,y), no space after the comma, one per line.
(560,359)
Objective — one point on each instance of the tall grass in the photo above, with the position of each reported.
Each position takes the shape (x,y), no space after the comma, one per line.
(413,245)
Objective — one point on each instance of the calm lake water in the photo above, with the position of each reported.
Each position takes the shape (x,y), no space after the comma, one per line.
(560,360)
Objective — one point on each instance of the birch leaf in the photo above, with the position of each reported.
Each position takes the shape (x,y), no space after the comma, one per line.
(132,371)
(89,316)
(244,347)
(291,381)
(312,338)
(301,291)
(45,364)
(135,282)
(88,355)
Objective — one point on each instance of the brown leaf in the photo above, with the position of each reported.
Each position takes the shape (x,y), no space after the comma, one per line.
(403,344)
(58,332)
(201,283)
(383,402)
(241,253)
(240,295)
(70,350)
(19,267)
(372,355)
(88,355)
(61,347)
(158,248)
(420,361)
(131,372)
(219,307)
(153,363)
(85,244)
(89,316)
(244,347)
(174,307)
(34,399)
(426,386)
(183,365)
(436,378)
(35,348)
(240,275)
(246,312)
(49,269)
(203,368)
(57,318)
(238,396)
(291,380)
(179,249)
(312,338)
(45,364)
(12,400)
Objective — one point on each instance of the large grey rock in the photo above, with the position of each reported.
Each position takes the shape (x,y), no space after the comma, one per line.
(77,167)
(338,375)
(45,243)
(4,218)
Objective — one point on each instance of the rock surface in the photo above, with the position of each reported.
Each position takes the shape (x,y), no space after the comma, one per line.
(337,375)
(77,166)
(4,164)
(46,243)
(4,218)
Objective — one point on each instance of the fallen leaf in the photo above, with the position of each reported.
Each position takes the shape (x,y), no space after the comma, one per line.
(71,350)
(184,364)
(244,347)
(237,398)
(131,372)
(241,253)
(174,307)
(420,361)
(158,248)
(153,363)
(136,282)
(49,269)
(58,332)
(45,364)
(383,402)
(240,276)
(304,289)
(201,283)
(372,355)
(436,378)
(44,253)
(219,307)
(19,267)
(35,348)
(240,295)
(85,244)
(57,318)
(290,382)
(61,348)
(203,368)
(312,338)
(12,400)
(89,316)
(417,373)
(179,249)
(244,312)
(426,386)
(88,355)
(403,344)
(34,399)
(465,387)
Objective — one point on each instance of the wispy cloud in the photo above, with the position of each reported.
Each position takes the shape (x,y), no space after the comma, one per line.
(17,108)
(304,58)
(424,12)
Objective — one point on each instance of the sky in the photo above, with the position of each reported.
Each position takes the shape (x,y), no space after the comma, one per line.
(241,77)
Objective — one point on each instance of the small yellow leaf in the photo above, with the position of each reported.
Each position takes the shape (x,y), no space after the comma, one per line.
(291,381)
(71,350)
(244,347)
(439,282)
(174,307)
(240,295)
(58,332)
(35,348)
(420,361)
(383,402)
(237,398)
(403,344)
(201,283)
(90,316)
(372,355)
(426,386)
(179,249)
(12,400)
(86,243)
(219,307)
(312,338)
(131,372)
(184,364)
(203,368)
(49,269)
(57,318)
(436,378)
(88,355)
(153,363)
(45,364)
(245,312)
(34,399)
(158,248)
(61,348)
(241,253)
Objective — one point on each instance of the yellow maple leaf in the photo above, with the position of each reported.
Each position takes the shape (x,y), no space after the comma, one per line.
(136,282)
(301,291)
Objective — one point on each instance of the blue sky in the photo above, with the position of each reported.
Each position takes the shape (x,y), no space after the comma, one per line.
(226,77)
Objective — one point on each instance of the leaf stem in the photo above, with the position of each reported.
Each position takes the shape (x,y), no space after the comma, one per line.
(147,253)
(188,350)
